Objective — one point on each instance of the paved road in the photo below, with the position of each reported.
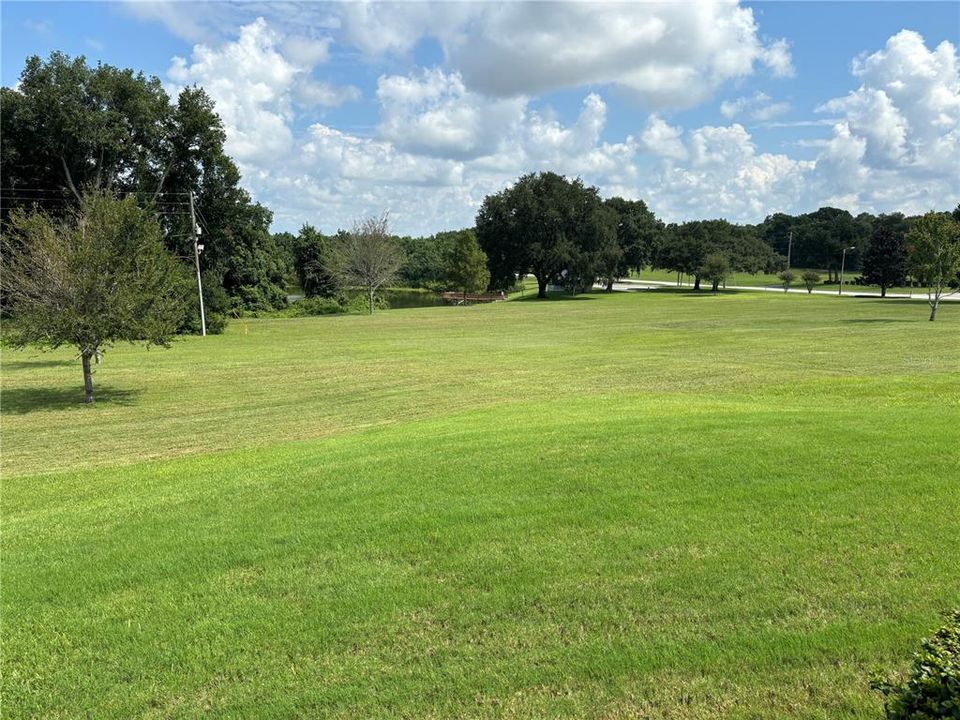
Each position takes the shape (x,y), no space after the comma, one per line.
(655,284)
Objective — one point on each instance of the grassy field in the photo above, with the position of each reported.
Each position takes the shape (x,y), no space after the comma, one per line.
(646,505)
(771,279)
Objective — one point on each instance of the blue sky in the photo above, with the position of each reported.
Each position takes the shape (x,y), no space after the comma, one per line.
(334,111)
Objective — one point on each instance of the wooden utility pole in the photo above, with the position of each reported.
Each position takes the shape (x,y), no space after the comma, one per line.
(196,262)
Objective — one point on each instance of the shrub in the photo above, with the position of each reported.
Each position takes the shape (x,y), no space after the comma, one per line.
(355,302)
(811,278)
(316,306)
(216,323)
(932,689)
(787,277)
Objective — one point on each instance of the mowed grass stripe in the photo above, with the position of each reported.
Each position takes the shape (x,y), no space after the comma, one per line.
(663,506)
(269,381)
(351,577)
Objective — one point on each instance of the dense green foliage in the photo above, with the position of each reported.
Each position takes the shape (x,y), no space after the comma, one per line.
(715,269)
(638,234)
(466,264)
(685,248)
(885,261)
(424,262)
(818,237)
(99,275)
(69,127)
(636,504)
(932,689)
(549,226)
(312,261)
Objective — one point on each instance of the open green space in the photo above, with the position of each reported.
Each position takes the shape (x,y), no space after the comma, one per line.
(638,505)
(770,279)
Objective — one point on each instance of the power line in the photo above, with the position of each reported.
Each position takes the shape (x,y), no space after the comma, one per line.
(203,221)
(72,200)
(69,193)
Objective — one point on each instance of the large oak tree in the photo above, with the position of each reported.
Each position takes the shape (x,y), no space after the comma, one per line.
(548,225)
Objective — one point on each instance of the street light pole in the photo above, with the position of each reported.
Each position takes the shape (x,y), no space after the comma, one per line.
(194,230)
(843,262)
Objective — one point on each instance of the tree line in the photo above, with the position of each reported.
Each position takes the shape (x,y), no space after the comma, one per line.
(68,128)
(103,171)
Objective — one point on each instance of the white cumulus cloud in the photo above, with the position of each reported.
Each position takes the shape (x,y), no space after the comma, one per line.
(898,139)
(667,54)
(443,140)
(759,106)
(433,113)
(254,85)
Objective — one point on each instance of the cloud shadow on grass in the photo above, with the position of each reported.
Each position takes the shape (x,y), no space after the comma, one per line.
(918,301)
(21,401)
(27,364)
(708,293)
(879,321)
(553,297)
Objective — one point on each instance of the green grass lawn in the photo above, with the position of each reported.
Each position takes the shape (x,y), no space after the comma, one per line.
(771,279)
(645,505)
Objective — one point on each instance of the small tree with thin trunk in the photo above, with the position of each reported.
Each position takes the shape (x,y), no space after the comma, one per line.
(933,244)
(367,257)
(810,279)
(100,276)
(716,269)
(787,277)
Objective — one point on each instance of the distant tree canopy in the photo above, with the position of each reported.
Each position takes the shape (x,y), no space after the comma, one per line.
(545,224)
(818,238)
(425,259)
(312,254)
(466,264)
(885,261)
(685,247)
(638,236)
(68,128)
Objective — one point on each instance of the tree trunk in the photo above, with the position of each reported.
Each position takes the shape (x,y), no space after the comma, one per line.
(883,291)
(716,285)
(88,376)
(541,288)
(610,284)
(933,311)
(696,282)
(370,299)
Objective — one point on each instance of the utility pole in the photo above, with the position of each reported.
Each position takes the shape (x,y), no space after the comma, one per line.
(789,248)
(196,261)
